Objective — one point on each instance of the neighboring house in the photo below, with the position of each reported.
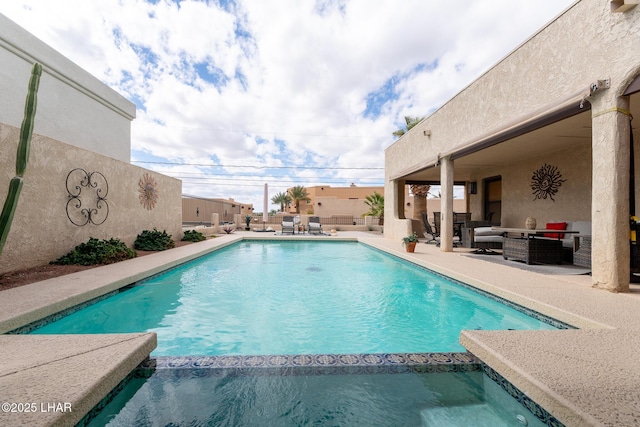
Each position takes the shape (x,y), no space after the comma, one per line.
(326,200)
(82,135)
(545,133)
(199,210)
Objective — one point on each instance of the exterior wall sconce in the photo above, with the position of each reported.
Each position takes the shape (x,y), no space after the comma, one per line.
(473,187)
(408,203)
(622,6)
(426,132)
(319,203)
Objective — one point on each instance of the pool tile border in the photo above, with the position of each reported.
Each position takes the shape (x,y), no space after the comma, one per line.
(362,360)
(535,409)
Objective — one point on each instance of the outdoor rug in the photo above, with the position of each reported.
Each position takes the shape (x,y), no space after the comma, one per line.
(552,269)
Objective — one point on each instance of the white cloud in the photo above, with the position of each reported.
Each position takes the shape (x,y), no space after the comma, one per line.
(291,77)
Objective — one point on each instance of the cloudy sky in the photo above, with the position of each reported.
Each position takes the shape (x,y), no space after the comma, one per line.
(231,94)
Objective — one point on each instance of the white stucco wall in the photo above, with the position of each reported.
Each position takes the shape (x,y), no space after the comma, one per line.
(73,105)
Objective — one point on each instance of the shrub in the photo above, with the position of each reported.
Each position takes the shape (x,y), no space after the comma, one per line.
(97,252)
(193,236)
(153,241)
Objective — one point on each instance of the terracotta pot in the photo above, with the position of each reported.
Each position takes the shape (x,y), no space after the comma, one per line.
(411,246)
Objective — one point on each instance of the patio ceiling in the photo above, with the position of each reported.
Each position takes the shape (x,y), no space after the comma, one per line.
(559,135)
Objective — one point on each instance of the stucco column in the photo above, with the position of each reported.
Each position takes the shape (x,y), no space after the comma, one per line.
(610,196)
(446,205)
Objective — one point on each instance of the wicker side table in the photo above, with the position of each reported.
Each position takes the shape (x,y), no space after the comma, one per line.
(542,251)
(582,251)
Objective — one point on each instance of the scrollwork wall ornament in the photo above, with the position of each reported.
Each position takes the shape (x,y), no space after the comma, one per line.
(545,182)
(87,197)
(148,189)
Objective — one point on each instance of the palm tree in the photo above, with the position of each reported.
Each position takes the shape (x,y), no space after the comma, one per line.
(420,193)
(281,199)
(411,122)
(299,194)
(375,202)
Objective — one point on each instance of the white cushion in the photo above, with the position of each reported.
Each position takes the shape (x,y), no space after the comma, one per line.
(486,231)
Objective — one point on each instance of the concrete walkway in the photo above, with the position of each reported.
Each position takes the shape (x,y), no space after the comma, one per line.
(583,377)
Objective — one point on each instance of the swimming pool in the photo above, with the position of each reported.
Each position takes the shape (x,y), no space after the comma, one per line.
(297,297)
(371,396)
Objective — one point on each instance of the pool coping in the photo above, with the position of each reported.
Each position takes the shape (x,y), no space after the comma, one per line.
(599,315)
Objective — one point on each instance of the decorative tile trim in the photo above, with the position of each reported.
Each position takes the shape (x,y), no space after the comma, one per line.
(522,398)
(312,361)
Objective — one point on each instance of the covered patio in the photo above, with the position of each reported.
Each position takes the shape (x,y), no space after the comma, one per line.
(546,133)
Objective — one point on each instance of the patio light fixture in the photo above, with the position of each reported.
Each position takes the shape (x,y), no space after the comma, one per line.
(622,6)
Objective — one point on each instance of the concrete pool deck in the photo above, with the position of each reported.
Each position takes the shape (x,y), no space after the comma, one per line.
(582,377)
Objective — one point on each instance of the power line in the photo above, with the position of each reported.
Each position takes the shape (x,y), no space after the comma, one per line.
(257,167)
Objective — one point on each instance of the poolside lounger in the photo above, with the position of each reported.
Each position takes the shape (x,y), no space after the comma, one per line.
(314,225)
(287,225)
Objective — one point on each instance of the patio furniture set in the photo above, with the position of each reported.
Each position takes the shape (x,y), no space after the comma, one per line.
(292,225)
(559,241)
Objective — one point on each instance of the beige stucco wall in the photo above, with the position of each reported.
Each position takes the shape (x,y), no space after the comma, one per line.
(572,202)
(73,105)
(226,209)
(588,42)
(41,230)
(336,200)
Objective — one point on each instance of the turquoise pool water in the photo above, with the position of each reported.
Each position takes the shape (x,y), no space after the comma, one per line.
(219,398)
(296,297)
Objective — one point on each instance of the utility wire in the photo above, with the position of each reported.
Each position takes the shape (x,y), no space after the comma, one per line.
(257,167)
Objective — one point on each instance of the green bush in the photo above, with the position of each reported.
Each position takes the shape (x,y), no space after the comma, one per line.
(97,252)
(153,241)
(193,236)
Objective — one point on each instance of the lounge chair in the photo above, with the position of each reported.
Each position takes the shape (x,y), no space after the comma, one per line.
(287,225)
(314,225)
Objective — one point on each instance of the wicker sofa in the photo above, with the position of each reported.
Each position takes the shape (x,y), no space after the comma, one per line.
(576,247)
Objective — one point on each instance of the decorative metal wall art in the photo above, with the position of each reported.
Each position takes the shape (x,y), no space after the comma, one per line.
(97,187)
(148,189)
(545,182)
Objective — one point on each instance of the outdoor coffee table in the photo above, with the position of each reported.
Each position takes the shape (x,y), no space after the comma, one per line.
(531,246)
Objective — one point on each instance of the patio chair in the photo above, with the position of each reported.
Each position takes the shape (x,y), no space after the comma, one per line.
(436,224)
(430,234)
(287,225)
(314,225)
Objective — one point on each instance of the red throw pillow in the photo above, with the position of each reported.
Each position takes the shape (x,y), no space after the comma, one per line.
(555,226)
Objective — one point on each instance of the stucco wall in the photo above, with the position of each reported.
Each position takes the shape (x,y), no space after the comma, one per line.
(588,42)
(572,201)
(73,105)
(41,230)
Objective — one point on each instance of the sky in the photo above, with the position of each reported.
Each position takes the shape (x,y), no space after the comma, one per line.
(232,94)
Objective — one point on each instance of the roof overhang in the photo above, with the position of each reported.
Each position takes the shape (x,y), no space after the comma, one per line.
(550,128)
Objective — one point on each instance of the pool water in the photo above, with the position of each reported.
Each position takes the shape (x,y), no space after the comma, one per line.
(201,397)
(296,297)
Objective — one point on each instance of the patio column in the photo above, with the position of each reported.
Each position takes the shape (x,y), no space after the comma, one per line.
(610,194)
(446,204)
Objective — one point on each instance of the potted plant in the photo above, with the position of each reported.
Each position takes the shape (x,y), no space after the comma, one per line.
(247,221)
(410,242)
